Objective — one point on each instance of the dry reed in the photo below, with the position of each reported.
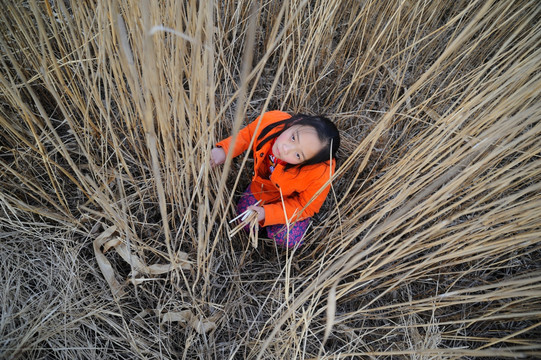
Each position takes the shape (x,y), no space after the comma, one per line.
(428,246)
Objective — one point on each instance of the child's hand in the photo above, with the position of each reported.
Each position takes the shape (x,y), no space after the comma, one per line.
(217,156)
(260,212)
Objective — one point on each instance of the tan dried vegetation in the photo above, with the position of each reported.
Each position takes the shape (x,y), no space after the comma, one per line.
(114,232)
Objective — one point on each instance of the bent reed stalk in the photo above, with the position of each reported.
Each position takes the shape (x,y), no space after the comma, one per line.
(427,246)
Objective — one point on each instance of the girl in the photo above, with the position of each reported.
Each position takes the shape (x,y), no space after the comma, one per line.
(294,157)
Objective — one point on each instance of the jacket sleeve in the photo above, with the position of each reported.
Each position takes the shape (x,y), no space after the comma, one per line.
(243,139)
(274,212)
(245,135)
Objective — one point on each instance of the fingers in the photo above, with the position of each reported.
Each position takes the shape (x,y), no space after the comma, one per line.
(217,156)
(260,212)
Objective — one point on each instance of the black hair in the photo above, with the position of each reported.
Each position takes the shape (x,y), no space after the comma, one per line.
(326,131)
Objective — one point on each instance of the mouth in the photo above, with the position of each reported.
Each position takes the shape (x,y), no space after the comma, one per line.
(276,151)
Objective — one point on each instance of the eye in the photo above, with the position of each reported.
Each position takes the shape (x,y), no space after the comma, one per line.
(293,137)
(298,156)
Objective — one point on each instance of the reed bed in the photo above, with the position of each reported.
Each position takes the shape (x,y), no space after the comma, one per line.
(115,231)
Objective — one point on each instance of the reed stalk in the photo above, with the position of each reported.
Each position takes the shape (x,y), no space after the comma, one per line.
(427,246)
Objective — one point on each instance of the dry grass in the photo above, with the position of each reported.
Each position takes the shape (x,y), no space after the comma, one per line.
(428,246)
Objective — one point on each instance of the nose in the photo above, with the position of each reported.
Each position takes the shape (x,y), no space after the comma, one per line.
(285,149)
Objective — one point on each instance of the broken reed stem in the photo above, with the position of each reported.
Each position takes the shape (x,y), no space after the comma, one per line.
(244,214)
(249,218)
(254,230)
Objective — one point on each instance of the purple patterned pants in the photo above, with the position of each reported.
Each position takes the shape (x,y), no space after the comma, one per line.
(276,232)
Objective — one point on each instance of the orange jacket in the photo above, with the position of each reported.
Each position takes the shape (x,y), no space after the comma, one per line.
(297,187)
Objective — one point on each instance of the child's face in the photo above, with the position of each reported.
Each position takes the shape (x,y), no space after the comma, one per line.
(297,144)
